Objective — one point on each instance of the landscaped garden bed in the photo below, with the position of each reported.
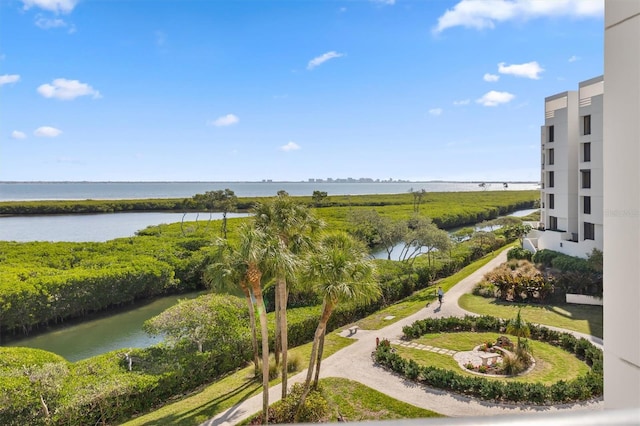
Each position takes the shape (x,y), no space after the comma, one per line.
(546,388)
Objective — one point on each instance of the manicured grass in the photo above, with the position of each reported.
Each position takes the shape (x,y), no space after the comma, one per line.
(582,318)
(552,363)
(357,402)
(419,299)
(225,393)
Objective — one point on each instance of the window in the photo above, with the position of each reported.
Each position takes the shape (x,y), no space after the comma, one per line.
(553,223)
(552,201)
(586,178)
(586,125)
(550,180)
(589,231)
(586,151)
(586,205)
(550,134)
(551,157)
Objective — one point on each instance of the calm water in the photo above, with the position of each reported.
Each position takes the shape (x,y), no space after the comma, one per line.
(97,336)
(124,329)
(90,227)
(397,249)
(12,191)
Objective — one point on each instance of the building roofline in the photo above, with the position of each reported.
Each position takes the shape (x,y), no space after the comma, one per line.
(591,81)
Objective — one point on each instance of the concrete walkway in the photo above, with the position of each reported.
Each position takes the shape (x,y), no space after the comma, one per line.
(354,362)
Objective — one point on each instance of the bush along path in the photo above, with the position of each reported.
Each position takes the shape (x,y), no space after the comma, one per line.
(584,387)
(355,362)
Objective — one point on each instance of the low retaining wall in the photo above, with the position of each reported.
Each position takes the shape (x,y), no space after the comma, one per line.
(581,299)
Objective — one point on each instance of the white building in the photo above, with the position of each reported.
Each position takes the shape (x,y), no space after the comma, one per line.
(571,162)
(622,205)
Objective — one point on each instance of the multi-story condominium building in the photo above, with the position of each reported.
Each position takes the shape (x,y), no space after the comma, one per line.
(571,163)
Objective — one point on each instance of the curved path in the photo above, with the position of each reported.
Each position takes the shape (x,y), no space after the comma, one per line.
(354,362)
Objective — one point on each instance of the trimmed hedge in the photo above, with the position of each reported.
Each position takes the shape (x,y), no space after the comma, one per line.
(584,387)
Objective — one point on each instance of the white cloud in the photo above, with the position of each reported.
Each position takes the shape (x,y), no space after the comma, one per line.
(385,2)
(481,14)
(225,120)
(9,78)
(17,134)
(47,132)
(47,23)
(462,102)
(491,77)
(319,60)
(574,58)
(64,89)
(494,98)
(528,70)
(435,111)
(57,6)
(291,146)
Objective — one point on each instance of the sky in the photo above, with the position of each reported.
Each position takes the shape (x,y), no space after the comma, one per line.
(287,90)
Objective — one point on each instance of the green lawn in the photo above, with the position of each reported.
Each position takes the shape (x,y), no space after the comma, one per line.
(552,363)
(357,402)
(419,299)
(232,389)
(582,318)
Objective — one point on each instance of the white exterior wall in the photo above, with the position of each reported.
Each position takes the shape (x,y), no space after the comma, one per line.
(622,204)
(561,112)
(565,111)
(591,103)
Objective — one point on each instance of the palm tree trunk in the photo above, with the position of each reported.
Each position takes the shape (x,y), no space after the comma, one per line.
(252,322)
(254,277)
(277,346)
(319,359)
(327,308)
(284,334)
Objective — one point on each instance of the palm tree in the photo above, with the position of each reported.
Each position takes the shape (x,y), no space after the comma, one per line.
(294,226)
(246,263)
(226,270)
(518,327)
(340,270)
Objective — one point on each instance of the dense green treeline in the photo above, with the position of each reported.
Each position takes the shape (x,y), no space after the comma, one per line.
(446,209)
(43,283)
(48,282)
(466,203)
(117,385)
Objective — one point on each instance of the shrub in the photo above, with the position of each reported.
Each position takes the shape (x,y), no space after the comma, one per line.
(519,253)
(584,387)
(512,365)
(314,410)
(294,362)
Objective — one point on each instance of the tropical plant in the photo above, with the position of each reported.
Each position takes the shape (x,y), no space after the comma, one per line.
(423,237)
(293,227)
(226,269)
(376,230)
(224,200)
(253,249)
(213,320)
(340,271)
(520,328)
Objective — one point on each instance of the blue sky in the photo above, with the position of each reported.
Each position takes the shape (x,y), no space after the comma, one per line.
(247,90)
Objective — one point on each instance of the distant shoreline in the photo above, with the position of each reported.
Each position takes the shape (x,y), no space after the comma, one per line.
(339,181)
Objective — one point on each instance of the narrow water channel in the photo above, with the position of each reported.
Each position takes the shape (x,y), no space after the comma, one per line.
(104,334)
(122,329)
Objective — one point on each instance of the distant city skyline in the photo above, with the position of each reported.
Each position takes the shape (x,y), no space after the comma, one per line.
(286,90)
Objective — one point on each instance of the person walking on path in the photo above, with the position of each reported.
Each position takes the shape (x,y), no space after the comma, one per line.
(440,295)
(354,362)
